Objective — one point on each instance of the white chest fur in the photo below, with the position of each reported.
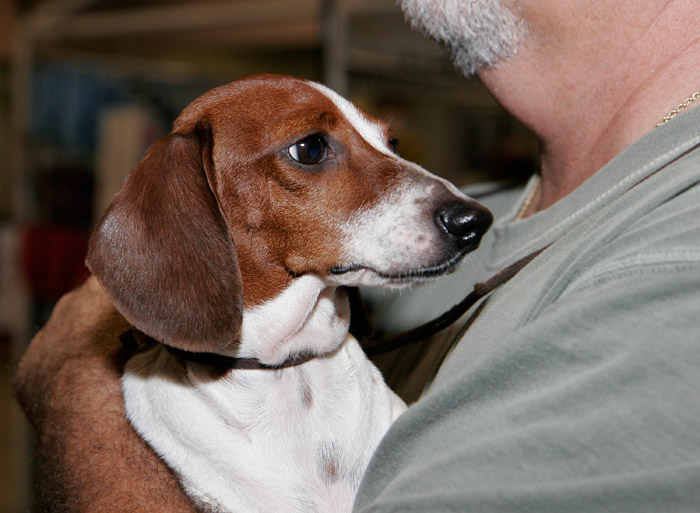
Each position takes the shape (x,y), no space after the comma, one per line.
(296,439)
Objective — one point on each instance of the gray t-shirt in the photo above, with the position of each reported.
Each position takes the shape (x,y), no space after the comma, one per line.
(576,385)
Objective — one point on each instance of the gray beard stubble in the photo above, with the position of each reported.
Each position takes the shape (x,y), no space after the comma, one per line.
(477,33)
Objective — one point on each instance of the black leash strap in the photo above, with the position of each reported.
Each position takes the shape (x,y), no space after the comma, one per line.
(427,330)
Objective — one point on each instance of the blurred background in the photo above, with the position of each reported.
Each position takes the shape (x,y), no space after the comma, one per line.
(86,86)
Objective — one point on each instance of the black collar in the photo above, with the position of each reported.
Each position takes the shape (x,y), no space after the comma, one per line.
(135,341)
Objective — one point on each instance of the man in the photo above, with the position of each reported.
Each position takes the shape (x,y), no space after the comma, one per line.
(574,387)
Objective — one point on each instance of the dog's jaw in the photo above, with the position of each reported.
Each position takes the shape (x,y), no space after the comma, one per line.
(308,317)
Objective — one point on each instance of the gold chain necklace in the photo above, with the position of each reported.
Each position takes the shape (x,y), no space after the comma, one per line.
(526,203)
(679,108)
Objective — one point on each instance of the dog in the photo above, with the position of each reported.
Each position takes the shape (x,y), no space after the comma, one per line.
(234,240)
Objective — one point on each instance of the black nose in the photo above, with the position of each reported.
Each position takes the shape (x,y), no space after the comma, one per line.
(464,223)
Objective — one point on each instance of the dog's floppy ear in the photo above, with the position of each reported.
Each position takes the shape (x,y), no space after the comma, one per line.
(163,251)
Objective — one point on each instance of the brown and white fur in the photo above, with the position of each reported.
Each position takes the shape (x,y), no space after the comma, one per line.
(228,237)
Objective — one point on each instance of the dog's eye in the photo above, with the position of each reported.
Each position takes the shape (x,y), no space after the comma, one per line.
(311,150)
(393,143)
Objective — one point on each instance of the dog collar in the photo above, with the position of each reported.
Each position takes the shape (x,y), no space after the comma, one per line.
(135,341)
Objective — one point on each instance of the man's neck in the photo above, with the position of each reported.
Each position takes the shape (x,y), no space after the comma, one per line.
(586,105)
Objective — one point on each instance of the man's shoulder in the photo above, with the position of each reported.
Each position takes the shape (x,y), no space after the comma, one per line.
(659,234)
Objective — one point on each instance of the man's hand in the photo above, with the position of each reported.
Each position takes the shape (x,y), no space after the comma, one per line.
(67,382)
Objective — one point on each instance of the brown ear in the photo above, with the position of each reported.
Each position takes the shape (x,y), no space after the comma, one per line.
(163,251)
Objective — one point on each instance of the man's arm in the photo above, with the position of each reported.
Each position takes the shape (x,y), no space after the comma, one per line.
(90,459)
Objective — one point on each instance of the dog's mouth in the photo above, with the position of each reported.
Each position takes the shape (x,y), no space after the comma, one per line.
(359,274)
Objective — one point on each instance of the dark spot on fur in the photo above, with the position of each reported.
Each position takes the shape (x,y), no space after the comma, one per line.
(305,390)
(329,463)
(332,471)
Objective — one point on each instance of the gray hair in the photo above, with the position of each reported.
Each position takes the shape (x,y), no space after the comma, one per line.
(477,33)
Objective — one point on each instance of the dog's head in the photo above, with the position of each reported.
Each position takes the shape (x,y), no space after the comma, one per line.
(269,185)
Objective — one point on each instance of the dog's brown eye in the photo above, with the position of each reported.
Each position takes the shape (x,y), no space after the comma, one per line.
(311,150)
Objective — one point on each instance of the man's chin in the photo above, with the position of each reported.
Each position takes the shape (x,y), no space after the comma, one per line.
(478,33)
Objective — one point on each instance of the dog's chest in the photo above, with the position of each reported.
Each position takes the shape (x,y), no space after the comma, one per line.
(296,439)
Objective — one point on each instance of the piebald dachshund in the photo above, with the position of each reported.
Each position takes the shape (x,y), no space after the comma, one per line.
(237,235)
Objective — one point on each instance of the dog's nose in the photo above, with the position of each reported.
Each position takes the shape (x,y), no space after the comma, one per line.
(464,223)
